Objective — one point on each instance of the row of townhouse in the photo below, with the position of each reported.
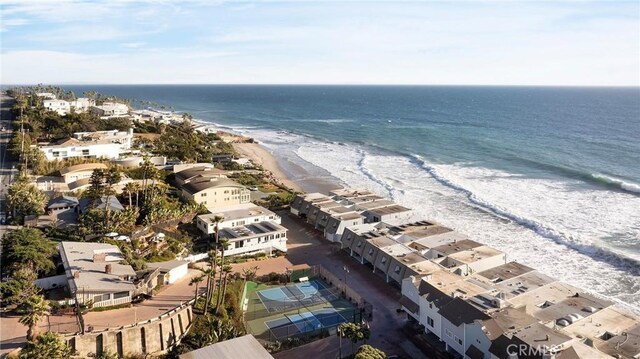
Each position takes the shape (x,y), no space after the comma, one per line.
(333,213)
(467,295)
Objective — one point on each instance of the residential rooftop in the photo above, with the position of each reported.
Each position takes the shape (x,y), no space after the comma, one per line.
(476,254)
(89,261)
(206,183)
(437,240)
(383,211)
(505,271)
(457,246)
(239,211)
(250,230)
(524,283)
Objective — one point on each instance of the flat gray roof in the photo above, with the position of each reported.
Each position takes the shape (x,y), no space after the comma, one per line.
(242,347)
(78,257)
(244,210)
(505,271)
(382,211)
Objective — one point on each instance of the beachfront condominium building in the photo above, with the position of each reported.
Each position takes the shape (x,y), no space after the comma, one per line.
(102,144)
(235,216)
(61,107)
(95,274)
(215,192)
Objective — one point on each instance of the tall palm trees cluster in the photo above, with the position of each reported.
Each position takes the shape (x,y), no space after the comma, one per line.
(217,267)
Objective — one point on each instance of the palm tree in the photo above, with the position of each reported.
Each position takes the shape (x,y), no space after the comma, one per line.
(33,309)
(111,177)
(223,243)
(196,280)
(226,270)
(129,189)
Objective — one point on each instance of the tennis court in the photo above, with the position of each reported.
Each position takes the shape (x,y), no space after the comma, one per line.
(297,323)
(296,295)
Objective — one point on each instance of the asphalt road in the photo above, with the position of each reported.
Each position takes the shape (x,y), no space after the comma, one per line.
(7,173)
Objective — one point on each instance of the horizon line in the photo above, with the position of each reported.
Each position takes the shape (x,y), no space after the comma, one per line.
(317,84)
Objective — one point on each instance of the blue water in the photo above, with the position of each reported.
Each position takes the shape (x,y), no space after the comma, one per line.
(549,175)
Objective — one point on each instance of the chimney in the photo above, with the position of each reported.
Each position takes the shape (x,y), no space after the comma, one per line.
(107,268)
(76,274)
(99,257)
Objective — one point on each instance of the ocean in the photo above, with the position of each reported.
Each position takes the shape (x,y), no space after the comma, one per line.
(551,176)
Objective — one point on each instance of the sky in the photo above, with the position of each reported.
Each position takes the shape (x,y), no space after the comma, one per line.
(566,43)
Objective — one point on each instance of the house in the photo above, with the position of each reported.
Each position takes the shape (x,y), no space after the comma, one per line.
(136,161)
(235,216)
(242,347)
(222,158)
(95,273)
(82,104)
(101,203)
(535,340)
(171,271)
(61,204)
(81,171)
(197,174)
(259,237)
(465,262)
(61,107)
(47,95)
(110,109)
(102,144)
(215,192)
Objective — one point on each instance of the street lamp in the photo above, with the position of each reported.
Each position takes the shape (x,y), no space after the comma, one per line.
(288,273)
(346,271)
(340,340)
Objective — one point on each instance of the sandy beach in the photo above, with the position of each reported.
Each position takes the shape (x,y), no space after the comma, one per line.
(261,156)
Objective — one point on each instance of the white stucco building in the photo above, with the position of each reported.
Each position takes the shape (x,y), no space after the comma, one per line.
(101,144)
(61,107)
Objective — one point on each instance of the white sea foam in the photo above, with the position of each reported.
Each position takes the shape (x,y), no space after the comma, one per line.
(555,226)
(624,185)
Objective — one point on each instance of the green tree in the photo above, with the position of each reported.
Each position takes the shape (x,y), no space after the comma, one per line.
(354,332)
(32,310)
(25,199)
(48,345)
(368,352)
(27,248)
(226,270)
(20,287)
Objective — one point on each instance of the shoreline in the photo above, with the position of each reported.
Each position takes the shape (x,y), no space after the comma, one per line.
(261,156)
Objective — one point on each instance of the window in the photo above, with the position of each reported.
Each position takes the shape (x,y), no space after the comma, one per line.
(370,251)
(85,152)
(397,269)
(120,295)
(101,297)
(203,194)
(239,244)
(383,260)
(56,154)
(430,322)
(359,244)
(448,333)
(430,305)
(607,336)
(457,340)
